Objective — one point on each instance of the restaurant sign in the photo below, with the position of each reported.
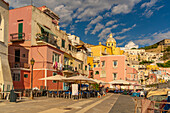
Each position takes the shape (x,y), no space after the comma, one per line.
(74,89)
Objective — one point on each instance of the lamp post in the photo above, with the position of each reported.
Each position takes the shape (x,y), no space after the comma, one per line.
(32,61)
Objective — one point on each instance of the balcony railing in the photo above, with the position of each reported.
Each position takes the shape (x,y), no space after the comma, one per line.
(68,67)
(48,39)
(19,65)
(15,37)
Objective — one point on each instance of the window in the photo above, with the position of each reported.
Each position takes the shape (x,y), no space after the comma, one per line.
(19,20)
(55,57)
(54,73)
(103,74)
(103,63)
(63,43)
(85,68)
(114,63)
(114,76)
(20,30)
(79,66)
(105,50)
(16,76)
(97,72)
(91,74)
(23,55)
(94,65)
(25,75)
(17,55)
(69,47)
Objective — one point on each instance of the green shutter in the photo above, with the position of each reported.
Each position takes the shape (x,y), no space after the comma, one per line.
(86,68)
(20,30)
(63,43)
(54,73)
(25,75)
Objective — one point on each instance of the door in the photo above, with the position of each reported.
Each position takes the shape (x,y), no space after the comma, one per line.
(17,55)
(20,30)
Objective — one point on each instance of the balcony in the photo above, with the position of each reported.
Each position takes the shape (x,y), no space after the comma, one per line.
(17,37)
(68,69)
(45,39)
(19,65)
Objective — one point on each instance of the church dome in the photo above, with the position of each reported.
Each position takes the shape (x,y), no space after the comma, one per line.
(110,39)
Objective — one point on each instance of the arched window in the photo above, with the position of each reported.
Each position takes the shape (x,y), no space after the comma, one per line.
(105,50)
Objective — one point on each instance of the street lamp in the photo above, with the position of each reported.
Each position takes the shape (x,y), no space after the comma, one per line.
(32,61)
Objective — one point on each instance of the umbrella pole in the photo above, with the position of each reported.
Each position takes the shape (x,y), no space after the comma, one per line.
(80,88)
(57,87)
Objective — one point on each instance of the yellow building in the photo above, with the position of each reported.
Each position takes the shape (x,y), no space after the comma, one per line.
(101,50)
(152,67)
(111,42)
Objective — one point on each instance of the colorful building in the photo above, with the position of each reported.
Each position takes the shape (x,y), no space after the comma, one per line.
(102,50)
(5,73)
(111,67)
(132,75)
(35,33)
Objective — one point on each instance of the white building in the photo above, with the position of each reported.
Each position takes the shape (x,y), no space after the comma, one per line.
(5,74)
(74,39)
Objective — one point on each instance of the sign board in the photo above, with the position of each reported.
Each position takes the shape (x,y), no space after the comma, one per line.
(74,89)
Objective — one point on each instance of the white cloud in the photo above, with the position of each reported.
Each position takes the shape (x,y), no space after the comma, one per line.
(105,31)
(111,22)
(149,4)
(80,10)
(150,8)
(153,38)
(119,44)
(148,13)
(120,37)
(127,29)
(97,28)
(124,6)
(99,18)
(94,21)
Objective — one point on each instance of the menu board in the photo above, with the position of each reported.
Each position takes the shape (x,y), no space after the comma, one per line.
(74,89)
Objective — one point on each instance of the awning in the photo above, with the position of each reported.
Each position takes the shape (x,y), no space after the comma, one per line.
(47,30)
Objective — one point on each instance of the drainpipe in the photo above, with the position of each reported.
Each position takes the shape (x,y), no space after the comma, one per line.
(45,77)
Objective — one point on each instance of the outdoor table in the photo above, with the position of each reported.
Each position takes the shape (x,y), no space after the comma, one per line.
(5,93)
(8,94)
(19,94)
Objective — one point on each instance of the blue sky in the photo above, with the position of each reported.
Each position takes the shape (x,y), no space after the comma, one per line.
(144,22)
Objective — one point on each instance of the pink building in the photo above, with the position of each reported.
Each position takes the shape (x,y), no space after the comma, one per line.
(132,75)
(24,24)
(112,67)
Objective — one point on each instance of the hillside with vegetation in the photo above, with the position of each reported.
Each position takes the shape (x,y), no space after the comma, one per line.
(149,47)
(165,65)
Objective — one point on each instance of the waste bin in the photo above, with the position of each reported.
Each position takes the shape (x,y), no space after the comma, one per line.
(13,96)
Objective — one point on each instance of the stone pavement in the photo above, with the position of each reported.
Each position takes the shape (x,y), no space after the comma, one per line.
(124,104)
(59,105)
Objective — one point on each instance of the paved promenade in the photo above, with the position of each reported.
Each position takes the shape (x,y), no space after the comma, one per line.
(112,103)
